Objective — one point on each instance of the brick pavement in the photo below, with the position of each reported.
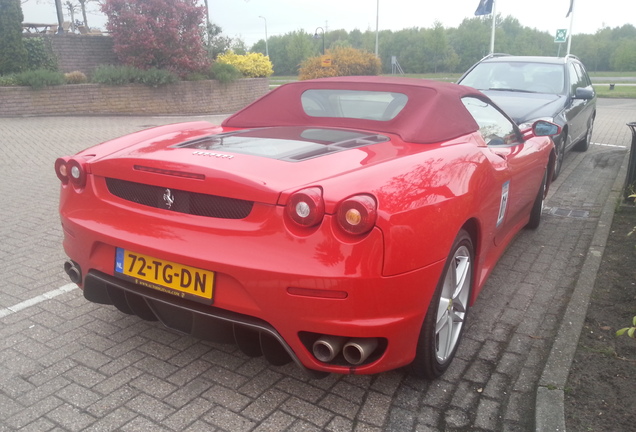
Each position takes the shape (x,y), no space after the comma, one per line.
(70,365)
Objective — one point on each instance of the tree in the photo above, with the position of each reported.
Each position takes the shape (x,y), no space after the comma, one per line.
(71,8)
(82,4)
(624,58)
(13,54)
(217,43)
(165,34)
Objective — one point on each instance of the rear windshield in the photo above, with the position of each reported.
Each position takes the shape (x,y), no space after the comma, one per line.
(372,105)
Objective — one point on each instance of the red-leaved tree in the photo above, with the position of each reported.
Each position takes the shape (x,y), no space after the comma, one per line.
(165,34)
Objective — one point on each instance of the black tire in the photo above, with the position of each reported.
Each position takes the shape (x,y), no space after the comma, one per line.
(537,207)
(584,144)
(446,315)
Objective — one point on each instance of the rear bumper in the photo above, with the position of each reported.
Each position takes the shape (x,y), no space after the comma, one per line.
(390,312)
(256,261)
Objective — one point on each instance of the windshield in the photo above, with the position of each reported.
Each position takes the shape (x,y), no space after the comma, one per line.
(517,76)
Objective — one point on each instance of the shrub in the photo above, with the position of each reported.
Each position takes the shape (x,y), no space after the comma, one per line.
(164,34)
(39,54)
(251,65)
(39,78)
(345,61)
(120,75)
(8,80)
(115,75)
(225,72)
(157,77)
(197,76)
(75,77)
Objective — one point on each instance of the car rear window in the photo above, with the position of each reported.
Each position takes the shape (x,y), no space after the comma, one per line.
(357,104)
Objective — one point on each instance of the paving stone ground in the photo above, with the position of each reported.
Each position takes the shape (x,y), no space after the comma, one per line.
(70,365)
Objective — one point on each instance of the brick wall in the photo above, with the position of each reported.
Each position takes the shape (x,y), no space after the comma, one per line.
(80,52)
(187,97)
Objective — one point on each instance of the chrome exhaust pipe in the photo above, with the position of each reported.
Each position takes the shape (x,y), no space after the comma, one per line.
(73,271)
(328,347)
(356,351)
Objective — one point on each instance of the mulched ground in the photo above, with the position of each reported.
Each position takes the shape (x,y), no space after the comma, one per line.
(601,390)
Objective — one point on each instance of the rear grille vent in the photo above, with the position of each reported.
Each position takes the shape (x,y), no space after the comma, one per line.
(180,201)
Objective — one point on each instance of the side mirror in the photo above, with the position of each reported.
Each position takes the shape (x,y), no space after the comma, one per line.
(545,128)
(584,93)
(541,128)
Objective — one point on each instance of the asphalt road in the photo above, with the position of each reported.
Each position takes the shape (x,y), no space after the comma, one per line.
(69,365)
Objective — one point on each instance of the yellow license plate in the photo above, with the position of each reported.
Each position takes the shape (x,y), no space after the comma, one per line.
(166,276)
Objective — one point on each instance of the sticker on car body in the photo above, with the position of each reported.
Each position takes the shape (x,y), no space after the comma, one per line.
(503,203)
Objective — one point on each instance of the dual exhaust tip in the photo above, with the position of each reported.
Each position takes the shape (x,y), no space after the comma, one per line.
(73,271)
(354,350)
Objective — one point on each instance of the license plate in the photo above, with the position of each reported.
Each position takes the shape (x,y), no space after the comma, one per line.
(165,276)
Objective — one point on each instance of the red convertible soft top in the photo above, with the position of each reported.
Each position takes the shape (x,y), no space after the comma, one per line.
(434,111)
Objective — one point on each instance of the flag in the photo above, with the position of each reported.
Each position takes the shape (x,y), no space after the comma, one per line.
(484,8)
(569,10)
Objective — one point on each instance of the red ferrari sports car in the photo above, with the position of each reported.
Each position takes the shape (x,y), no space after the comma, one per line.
(345,223)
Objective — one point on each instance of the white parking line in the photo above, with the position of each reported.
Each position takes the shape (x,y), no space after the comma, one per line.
(35,300)
(609,145)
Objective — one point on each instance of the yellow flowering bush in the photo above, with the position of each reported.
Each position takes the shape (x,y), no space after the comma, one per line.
(345,61)
(251,65)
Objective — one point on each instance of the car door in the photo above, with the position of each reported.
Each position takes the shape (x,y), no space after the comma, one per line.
(577,109)
(520,177)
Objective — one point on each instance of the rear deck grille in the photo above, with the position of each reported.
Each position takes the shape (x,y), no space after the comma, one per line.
(180,201)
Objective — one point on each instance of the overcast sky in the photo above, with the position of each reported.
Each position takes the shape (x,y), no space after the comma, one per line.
(241,18)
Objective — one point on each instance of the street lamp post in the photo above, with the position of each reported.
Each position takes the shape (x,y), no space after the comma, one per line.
(316,36)
(266,47)
(60,16)
(377,25)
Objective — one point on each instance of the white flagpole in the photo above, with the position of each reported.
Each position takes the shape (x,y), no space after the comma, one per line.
(570,31)
(492,34)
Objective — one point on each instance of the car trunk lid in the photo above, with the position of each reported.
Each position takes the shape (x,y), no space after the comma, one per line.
(247,164)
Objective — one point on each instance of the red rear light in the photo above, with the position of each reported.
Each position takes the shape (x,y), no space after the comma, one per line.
(76,173)
(61,170)
(357,215)
(306,207)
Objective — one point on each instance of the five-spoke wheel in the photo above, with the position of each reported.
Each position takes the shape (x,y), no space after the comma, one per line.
(446,316)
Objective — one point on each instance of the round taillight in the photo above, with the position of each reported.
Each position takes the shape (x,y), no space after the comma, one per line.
(61,170)
(76,173)
(357,215)
(306,207)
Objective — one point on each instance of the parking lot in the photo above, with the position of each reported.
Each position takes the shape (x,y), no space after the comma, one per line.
(71,365)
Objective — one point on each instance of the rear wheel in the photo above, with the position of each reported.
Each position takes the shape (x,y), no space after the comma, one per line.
(537,207)
(446,315)
(559,148)
(584,144)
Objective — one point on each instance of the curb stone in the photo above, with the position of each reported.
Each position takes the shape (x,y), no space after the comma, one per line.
(550,401)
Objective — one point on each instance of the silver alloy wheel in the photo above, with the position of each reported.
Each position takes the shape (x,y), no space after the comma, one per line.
(453,304)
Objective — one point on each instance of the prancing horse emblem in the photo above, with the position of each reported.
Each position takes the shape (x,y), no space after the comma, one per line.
(168,198)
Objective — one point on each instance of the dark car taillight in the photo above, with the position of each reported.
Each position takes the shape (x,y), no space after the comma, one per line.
(61,169)
(306,207)
(357,214)
(71,170)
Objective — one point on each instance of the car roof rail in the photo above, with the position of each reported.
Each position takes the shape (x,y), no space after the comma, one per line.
(572,56)
(493,55)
